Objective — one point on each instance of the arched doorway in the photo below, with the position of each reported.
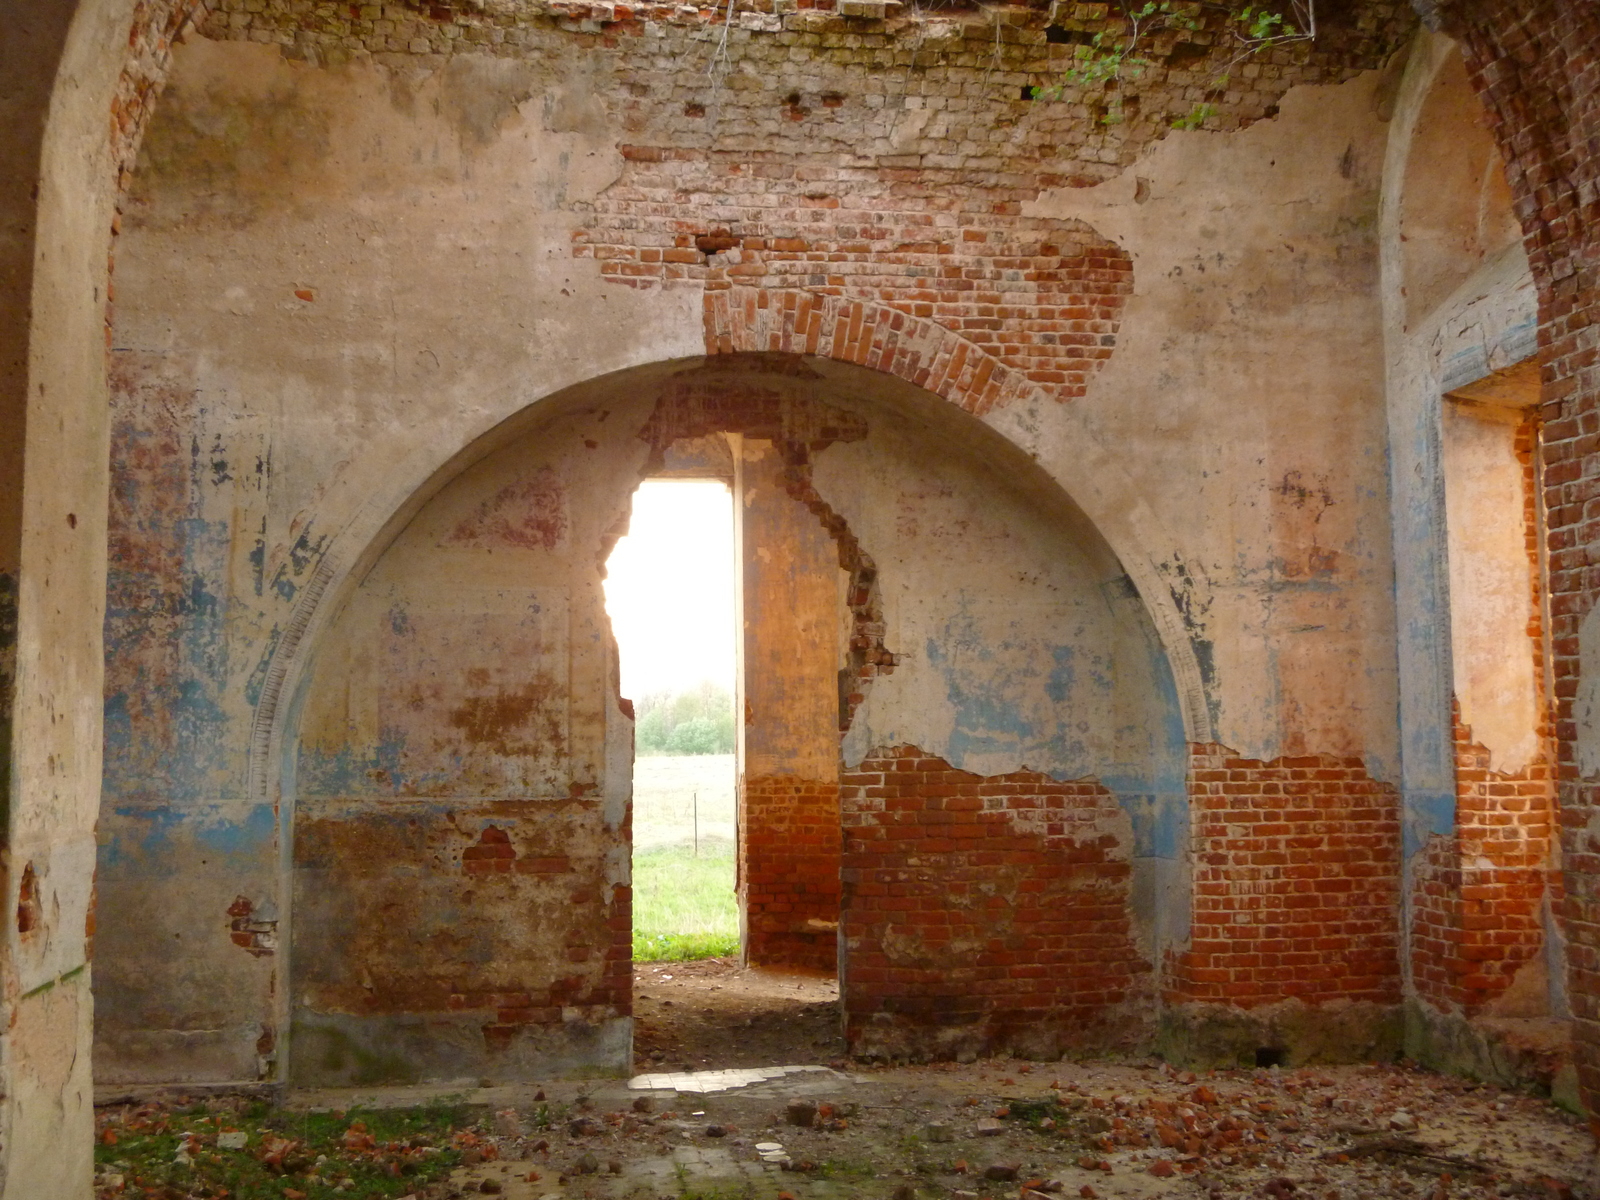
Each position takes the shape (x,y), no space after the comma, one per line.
(1004,756)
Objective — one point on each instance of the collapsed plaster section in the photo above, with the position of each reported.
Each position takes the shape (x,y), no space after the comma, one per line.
(986,914)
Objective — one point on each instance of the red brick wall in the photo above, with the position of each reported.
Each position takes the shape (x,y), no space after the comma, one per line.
(1476,897)
(789,871)
(982,913)
(1536,66)
(1296,889)
(1043,298)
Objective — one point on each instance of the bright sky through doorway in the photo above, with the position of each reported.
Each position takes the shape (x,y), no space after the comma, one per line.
(669,587)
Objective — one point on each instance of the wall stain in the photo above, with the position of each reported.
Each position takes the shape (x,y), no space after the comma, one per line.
(494,720)
(529,514)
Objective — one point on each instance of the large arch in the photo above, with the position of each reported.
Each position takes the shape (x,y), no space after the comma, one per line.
(469,814)
(919,352)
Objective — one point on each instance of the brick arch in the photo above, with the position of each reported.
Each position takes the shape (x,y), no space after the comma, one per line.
(924,353)
(875,336)
(157,26)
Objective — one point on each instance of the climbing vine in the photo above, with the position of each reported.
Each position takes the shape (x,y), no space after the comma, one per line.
(1114,57)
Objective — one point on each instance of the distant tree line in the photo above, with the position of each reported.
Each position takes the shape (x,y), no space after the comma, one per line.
(697,721)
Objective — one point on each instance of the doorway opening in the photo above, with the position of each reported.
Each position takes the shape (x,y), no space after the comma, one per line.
(671,594)
(717,867)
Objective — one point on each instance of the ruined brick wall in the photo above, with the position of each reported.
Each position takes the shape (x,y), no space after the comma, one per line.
(892,169)
(1533,64)
(983,914)
(1477,898)
(793,599)
(1042,299)
(851,187)
(789,871)
(1297,870)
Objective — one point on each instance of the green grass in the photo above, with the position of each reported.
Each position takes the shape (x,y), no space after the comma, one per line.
(683,906)
(382,1153)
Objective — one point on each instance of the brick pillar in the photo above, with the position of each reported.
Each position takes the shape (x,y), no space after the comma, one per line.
(789,793)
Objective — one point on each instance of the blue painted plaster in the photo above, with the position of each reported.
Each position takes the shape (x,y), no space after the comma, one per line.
(140,839)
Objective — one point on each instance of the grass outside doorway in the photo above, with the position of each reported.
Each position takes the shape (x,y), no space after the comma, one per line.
(683,906)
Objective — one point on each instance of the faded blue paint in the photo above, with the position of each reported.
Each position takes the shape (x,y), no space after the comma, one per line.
(347,772)
(258,675)
(149,836)
(1426,814)
(992,705)
(1422,596)
(1059,684)
(166,642)
(993,687)
(1192,610)
(1151,779)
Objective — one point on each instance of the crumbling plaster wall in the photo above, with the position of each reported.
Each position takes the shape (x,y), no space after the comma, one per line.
(796,629)
(462,781)
(462,785)
(1461,306)
(324,342)
(1273,547)
(334,278)
(64,67)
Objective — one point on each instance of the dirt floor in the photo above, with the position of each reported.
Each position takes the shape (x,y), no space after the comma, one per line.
(696,1015)
(695,1123)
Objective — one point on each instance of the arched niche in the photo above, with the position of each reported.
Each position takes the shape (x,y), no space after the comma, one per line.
(458,758)
(1455,212)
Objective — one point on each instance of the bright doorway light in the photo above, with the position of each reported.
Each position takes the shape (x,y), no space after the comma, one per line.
(670,591)
(670,588)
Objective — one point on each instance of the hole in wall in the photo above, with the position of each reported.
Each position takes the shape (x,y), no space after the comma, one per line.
(1271,1056)
(1058,35)
(670,593)
(28,913)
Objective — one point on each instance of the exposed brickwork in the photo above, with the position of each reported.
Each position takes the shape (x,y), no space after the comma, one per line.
(493,854)
(920,351)
(789,871)
(1535,65)
(982,913)
(1296,892)
(1476,897)
(612,996)
(791,66)
(1043,298)
(156,26)
(879,160)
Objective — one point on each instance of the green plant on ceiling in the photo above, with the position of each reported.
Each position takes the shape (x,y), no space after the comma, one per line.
(1108,61)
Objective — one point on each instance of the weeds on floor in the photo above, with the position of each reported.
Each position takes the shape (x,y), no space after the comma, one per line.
(683,905)
(195,1152)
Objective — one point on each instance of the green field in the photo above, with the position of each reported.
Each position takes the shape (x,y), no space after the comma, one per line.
(683,906)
